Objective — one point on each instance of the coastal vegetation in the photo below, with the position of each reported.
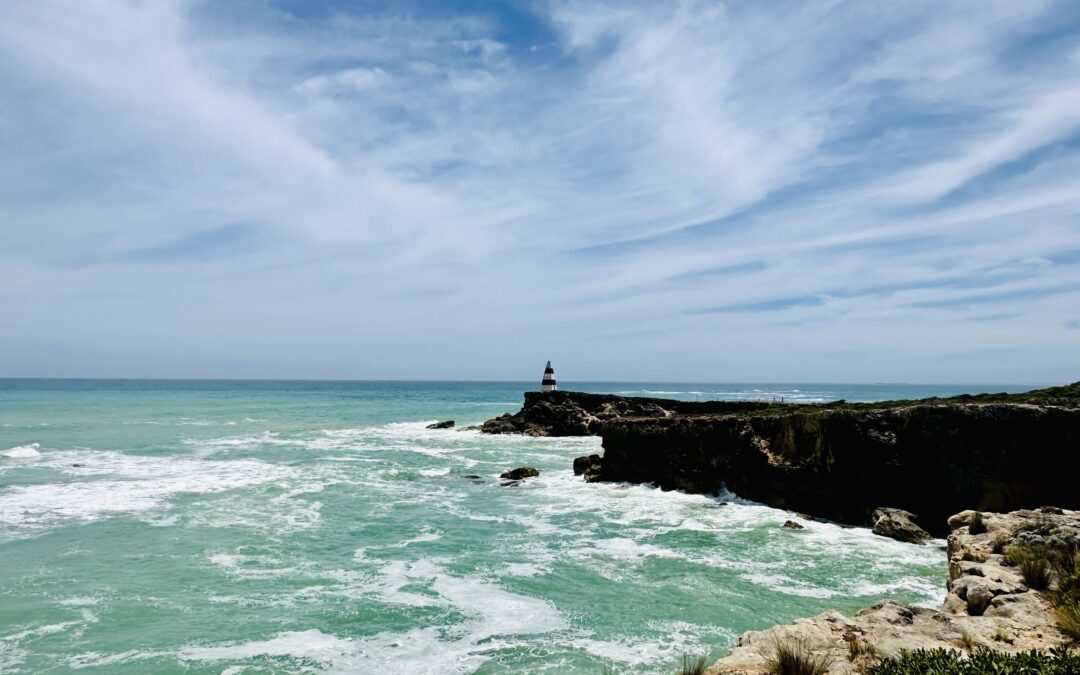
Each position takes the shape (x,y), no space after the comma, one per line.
(1058,661)
(795,658)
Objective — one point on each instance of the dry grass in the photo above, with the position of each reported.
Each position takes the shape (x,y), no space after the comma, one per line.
(797,659)
(997,545)
(692,666)
(968,641)
(858,647)
(1001,636)
(1036,571)
(1068,619)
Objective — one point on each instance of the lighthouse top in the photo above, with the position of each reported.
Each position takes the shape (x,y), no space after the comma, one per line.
(548,383)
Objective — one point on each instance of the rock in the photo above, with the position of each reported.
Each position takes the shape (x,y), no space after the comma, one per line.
(471,476)
(589,466)
(519,473)
(78,465)
(792,525)
(978,599)
(571,413)
(448,424)
(898,524)
(986,605)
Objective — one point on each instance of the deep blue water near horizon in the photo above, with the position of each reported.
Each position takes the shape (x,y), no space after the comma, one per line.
(251,526)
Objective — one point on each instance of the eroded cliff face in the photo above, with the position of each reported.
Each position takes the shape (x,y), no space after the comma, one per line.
(932,460)
(996,452)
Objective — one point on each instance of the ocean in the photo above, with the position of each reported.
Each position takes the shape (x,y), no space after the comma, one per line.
(318,527)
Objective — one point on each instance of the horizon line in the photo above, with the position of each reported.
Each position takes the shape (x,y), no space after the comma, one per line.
(513,381)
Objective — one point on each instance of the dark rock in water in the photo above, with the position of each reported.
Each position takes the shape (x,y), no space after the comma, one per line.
(510,483)
(792,525)
(589,466)
(448,424)
(78,465)
(584,463)
(472,476)
(898,524)
(520,473)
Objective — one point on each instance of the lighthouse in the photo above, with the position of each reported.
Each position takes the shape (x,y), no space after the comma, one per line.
(548,383)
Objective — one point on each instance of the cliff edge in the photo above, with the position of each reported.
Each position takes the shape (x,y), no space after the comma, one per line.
(932,457)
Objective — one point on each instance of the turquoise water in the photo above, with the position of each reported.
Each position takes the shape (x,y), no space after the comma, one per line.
(309,527)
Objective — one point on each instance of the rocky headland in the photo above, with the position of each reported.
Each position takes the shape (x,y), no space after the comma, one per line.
(842,461)
(902,467)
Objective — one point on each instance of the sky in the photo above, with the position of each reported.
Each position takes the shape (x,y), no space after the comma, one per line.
(756,191)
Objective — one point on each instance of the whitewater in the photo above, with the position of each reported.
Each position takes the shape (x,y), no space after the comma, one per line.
(319,527)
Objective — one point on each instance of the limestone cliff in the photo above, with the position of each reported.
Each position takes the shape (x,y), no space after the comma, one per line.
(933,457)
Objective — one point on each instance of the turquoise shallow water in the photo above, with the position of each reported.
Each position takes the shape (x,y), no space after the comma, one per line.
(307,527)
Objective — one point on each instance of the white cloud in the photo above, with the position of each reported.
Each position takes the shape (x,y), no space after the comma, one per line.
(420,187)
(343,82)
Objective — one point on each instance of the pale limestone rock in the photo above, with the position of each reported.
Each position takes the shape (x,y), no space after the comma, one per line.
(987,605)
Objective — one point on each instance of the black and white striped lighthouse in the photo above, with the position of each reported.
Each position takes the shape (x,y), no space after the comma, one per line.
(548,383)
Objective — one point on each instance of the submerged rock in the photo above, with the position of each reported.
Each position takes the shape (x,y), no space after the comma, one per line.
(898,524)
(792,525)
(448,424)
(520,473)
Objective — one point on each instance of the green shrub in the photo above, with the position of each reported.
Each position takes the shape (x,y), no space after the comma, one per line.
(797,659)
(1058,661)
(977,526)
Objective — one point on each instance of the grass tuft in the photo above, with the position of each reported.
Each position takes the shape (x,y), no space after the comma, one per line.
(968,641)
(796,659)
(692,666)
(977,525)
(1036,571)
(859,647)
(997,545)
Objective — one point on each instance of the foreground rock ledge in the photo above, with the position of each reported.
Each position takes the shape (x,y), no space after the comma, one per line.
(1014,618)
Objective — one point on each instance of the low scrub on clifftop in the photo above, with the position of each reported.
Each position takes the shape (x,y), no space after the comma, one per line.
(1058,661)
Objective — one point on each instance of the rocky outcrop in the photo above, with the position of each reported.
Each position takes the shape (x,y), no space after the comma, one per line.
(988,606)
(448,424)
(572,413)
(898,524)
(932,459)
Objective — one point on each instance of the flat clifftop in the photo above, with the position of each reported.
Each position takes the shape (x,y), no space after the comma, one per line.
(573,413)
(989,603)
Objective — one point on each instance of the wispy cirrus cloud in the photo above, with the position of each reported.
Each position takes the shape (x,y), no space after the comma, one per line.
(745,191)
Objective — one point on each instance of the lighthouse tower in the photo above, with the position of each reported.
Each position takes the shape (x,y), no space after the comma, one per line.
(548,383)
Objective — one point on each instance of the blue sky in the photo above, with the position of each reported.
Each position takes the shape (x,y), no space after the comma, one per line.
(710,191)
